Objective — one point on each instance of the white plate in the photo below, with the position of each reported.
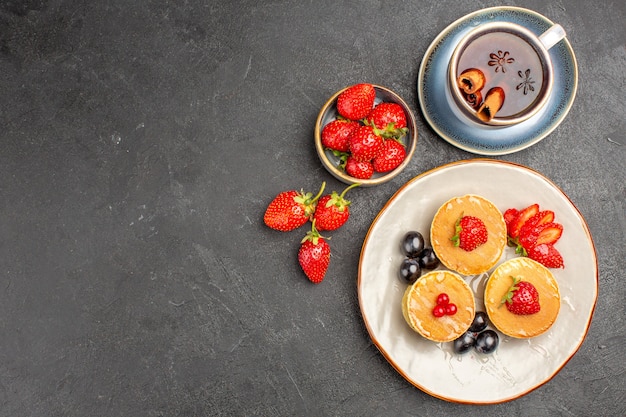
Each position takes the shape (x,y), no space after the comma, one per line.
(518,366)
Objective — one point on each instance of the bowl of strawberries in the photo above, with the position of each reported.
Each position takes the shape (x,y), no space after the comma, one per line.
(365,134)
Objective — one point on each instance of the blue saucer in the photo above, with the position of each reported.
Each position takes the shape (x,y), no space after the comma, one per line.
(487,140)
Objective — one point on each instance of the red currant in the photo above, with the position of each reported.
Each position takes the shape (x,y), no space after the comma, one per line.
(451,309)
(443,299)
(439,311)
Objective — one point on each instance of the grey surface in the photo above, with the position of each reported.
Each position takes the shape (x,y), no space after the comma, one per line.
(141,142)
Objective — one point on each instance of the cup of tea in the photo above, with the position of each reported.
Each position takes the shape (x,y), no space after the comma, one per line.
(500,73)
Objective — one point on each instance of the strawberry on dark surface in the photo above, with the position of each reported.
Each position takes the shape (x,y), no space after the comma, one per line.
(333,210)
(291,209)
(314,255)
(356,102)
(335,134)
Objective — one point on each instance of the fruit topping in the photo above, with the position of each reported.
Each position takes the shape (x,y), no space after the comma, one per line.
(547,255)
(443,299)
(470,232)
(314,255)
(439,310)
(521,298)
(444,306)
(356,101)
(333,210)
(291,209)
(486,341)
(515,225)
(533,233)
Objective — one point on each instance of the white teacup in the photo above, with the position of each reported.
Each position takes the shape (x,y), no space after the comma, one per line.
(500,73)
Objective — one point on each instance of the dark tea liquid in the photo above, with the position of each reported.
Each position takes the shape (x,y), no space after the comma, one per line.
(509,62)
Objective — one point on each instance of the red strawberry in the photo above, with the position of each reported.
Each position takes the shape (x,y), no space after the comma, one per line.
(543,233)
(291,209)
(522,298)
(390,118)
(359,169)
(516,224)
(336,133)
(355,102)
(365,144)
(547,255)
(333,210)
(391,155)
(470,233)
(314,256)
(542,217)
(510,215)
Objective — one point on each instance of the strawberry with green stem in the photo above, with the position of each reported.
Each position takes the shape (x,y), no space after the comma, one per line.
(470,233)
(389,118)
(291,209)
(365,143)
(333,210)
(314,255)
(522,298)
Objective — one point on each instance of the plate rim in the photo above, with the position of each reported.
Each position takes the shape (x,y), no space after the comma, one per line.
(531,140)
(395,195)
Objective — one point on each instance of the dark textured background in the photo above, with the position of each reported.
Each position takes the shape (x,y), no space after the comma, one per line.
(141,142)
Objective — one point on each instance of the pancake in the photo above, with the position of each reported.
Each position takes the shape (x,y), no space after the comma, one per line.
(442,230)
(421,297)
(522,326)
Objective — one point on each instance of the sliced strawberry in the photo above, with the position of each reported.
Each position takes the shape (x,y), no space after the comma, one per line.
(543,233)
(510,215)
(524,215)
(547,255)
(549,233)
(542,217)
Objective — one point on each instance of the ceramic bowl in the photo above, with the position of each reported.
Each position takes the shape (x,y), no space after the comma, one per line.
(329,113)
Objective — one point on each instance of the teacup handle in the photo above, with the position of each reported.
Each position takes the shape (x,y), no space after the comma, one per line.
(552,36)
